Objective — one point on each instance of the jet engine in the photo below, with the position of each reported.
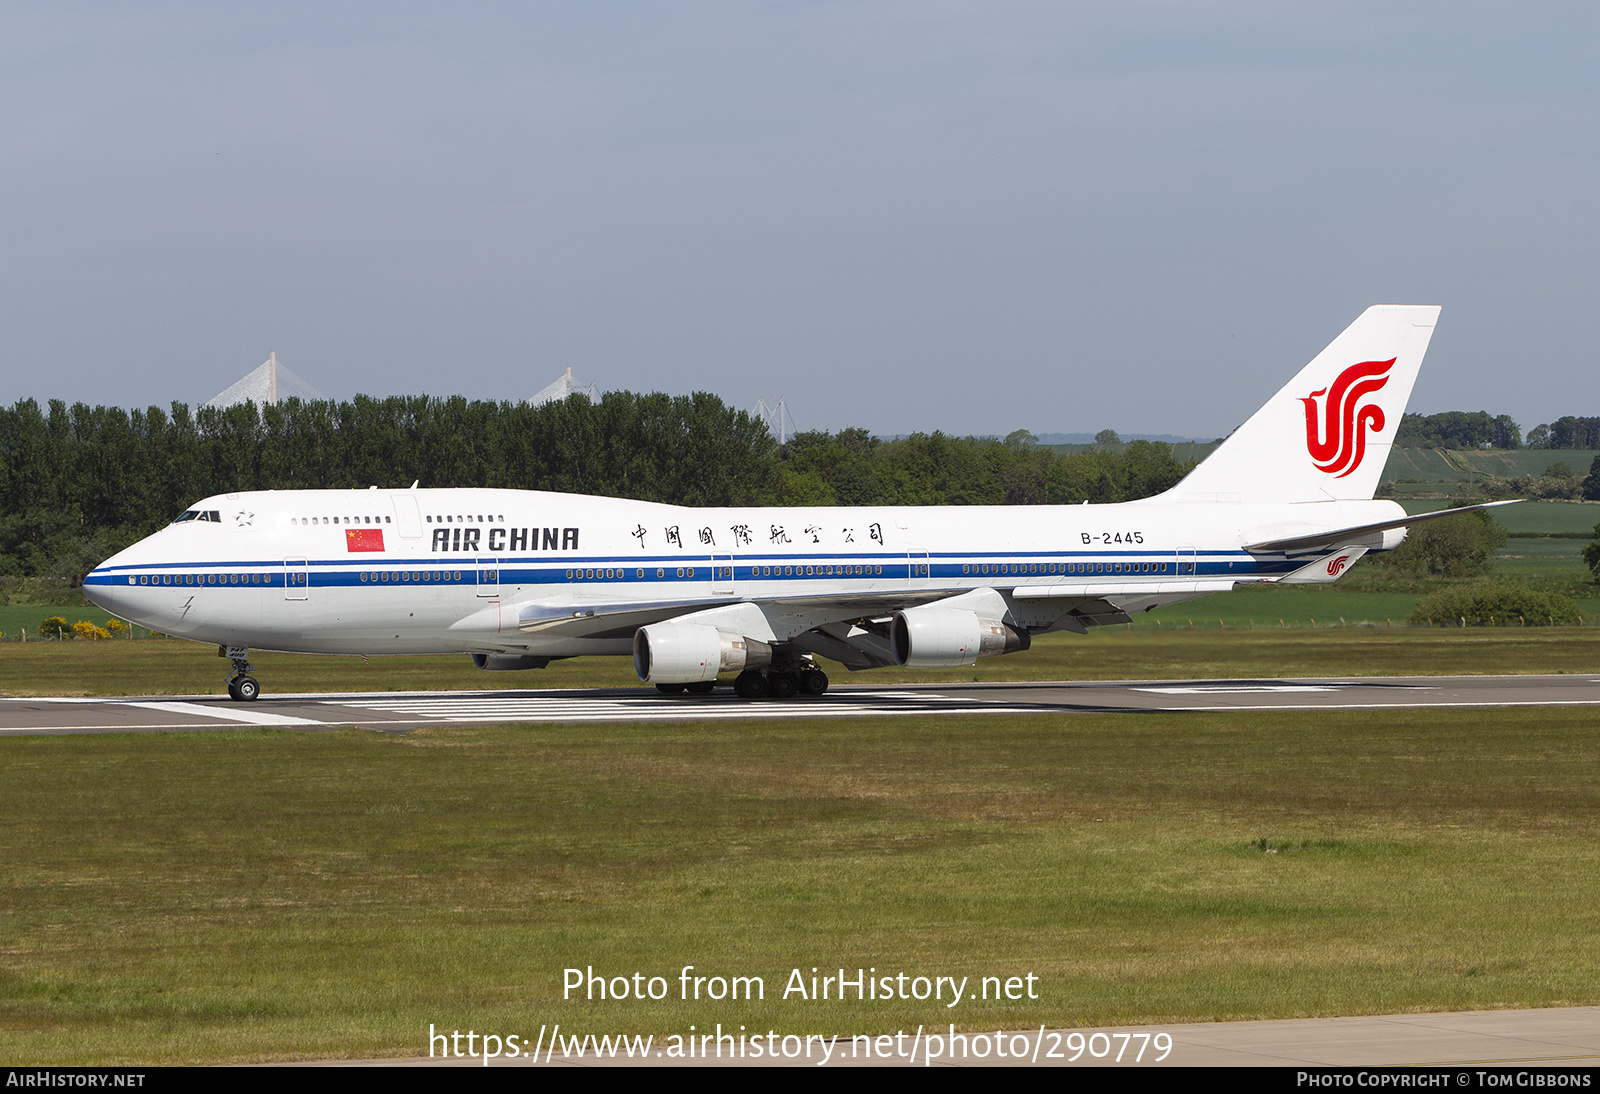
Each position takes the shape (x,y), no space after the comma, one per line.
(687,653)
(932,637)
(510,662)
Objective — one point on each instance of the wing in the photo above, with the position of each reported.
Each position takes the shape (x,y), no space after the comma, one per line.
(600,619)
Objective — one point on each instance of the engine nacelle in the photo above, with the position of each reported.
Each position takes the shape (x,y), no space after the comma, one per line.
(687,653)
(509,662)
(931,637)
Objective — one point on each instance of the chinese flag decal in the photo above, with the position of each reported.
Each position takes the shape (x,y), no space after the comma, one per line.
(363,539)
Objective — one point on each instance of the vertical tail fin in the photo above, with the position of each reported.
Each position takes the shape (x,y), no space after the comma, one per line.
(1326,435)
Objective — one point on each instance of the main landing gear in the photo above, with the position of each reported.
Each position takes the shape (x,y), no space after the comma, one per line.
(242,687)
(778,684)
(802,679)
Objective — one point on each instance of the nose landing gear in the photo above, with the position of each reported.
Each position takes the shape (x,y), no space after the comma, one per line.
(242,687)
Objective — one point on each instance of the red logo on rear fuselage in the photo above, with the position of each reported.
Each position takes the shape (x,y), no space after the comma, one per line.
(1341,442)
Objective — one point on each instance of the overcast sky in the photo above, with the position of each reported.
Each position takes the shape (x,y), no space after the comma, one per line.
(905,216)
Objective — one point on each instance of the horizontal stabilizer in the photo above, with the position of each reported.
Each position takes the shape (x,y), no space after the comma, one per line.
(1346,537)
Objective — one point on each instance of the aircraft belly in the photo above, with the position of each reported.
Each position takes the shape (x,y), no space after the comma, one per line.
(199,614)
(357,620)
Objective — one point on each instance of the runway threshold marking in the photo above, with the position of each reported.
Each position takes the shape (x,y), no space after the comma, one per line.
(228,714)
(1270,689)
(659,708)
(1486,705)
(1251,690)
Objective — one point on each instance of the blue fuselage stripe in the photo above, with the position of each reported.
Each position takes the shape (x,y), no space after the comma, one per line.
(467,570)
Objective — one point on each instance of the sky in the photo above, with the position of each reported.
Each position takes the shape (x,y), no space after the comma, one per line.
(974,217)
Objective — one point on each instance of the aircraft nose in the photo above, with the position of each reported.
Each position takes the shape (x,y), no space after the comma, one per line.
(107,585)
(101,586)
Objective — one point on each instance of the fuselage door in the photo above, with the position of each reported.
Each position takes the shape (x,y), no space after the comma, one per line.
(917,567)
(721,575)
(406,517)
(488,576)
(296,579)
(1185,560)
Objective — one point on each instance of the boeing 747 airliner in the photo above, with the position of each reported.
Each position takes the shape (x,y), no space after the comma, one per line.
(519,578)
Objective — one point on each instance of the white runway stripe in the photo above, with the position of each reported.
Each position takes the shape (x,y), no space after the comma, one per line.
(243,713)
(656,708)
(1268,689)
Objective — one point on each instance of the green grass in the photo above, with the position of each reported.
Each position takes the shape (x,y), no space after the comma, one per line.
(267,895)
(172,667)
(1433,465)
(1296,606)
(1528,558)
(1544,517)
(1558,560)
(1416,468)
(14,618)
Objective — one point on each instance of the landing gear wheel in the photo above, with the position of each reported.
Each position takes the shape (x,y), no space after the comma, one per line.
(671,689)
(701,687)
(814,682)
(749,685)
(781,685)
(242,687)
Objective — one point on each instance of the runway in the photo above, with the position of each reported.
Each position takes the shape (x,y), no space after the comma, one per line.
(408,711)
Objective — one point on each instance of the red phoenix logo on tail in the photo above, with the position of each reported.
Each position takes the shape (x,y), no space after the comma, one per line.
(1338,446)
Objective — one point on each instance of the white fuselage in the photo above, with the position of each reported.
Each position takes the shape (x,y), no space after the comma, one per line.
(506,571)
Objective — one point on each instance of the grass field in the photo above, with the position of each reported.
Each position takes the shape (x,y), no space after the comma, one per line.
(1522,558)
(1528,516)
(1295,606)
(1418,468)
(13,618)
(172,667)
(1558,560)
(263,895)
(1451,466)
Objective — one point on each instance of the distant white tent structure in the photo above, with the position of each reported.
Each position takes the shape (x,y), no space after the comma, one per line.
(265,386)
(775,413)
(563,386)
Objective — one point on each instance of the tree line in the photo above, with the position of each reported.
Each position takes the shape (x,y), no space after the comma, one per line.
(1558,483)
(1478,429)
(1567,432)
(78,483)
(1458,429)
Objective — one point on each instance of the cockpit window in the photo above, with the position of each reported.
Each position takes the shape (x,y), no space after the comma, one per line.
(191,514)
